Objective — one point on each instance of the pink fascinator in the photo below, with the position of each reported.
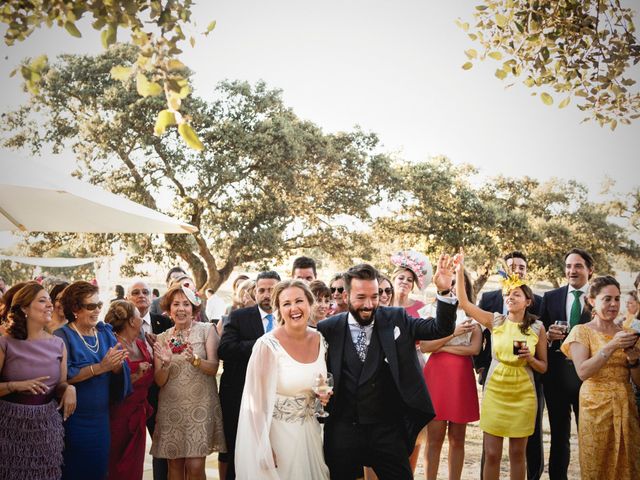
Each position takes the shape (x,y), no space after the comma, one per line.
(418,263)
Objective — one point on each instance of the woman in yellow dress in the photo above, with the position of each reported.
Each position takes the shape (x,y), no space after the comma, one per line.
(509,403)
(605,357)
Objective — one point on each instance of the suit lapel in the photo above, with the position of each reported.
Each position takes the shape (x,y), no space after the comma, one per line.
(385,334)
(336,350)
(257,323)
(563,303)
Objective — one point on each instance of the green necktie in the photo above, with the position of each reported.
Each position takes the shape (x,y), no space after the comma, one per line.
(576,309)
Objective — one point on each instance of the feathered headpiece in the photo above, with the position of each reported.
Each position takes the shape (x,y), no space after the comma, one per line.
(192,296)
(418,263)
(509,280)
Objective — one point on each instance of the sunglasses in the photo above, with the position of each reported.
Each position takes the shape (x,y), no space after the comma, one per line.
(92,306)
(339,289)
(387,290)
(137,292)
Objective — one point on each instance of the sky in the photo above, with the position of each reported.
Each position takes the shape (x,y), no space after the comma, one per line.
(393,68)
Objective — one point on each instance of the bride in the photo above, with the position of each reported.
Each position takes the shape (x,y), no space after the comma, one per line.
(278,435)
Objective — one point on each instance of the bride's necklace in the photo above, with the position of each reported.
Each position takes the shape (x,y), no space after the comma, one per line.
(91,348)
(179,341)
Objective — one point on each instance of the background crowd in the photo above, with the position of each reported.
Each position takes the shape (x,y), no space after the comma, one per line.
(78,393)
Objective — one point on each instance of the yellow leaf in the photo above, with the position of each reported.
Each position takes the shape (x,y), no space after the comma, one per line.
(175,64)
(546,98)
(210,27)
(614,124)
(174,101)
(467,66)
(121,73)
(192,41)
(564,102)
(39,63)
(501,74)
(72,29)
(471,53)
(146,88)
(190,137)
(501,20)
(495,55)
(165,118)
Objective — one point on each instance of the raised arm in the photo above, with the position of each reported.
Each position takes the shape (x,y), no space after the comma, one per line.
(481,316)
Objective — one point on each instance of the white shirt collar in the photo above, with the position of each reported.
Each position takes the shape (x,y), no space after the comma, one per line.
(263,313)
(583,289)
(147,317)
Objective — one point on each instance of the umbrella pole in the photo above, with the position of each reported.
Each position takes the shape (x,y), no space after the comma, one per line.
(12,220)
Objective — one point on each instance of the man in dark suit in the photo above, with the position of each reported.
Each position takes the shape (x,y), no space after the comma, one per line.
(244,327)
(380,401)
(493,301)
(153,324)
(561,382)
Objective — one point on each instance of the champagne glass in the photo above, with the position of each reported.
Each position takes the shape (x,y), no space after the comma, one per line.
(322,385)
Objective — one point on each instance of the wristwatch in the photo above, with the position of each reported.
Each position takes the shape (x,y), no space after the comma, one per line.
(196,360)
(444,293)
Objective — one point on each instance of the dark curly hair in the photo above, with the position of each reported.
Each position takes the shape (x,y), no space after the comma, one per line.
(5,301)
(17,320)
(73,297)
(120,312)
(595,287)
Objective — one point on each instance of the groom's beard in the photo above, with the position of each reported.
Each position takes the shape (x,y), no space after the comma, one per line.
(358,314)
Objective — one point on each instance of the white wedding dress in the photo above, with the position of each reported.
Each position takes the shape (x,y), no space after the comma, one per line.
(277,416)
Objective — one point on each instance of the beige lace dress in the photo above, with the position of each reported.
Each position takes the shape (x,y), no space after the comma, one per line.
(189,419)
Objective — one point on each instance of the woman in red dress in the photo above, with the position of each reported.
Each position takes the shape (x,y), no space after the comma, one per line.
(452,386)
(128,418)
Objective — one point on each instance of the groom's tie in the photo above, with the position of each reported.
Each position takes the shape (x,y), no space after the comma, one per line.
(361,344)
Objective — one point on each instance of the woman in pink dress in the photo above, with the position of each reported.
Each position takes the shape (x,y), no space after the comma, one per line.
(128,418)
(451,383)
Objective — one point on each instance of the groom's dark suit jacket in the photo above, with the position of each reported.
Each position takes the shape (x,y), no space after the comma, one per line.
(396,336)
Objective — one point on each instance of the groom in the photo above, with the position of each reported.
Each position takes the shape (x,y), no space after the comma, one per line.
(380,401)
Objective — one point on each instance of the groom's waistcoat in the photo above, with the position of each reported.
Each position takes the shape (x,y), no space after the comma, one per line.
(368,392)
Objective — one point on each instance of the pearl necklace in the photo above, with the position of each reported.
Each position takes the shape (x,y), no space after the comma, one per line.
(91,348)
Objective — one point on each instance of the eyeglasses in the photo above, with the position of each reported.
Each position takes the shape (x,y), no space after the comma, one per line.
(140,292)
(339,289)
(92,306)
(387,290)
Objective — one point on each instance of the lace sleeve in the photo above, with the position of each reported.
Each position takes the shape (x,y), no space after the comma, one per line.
(254,458)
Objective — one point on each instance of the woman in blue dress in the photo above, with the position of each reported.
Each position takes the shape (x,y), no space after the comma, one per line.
(96,366)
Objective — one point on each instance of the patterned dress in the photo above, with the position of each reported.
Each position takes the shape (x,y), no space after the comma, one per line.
(189,419)
(509,404)
(608,434)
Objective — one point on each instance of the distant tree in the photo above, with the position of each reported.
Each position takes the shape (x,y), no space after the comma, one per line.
(267,184)
(576,48)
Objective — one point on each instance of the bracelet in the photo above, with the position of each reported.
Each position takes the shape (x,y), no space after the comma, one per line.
(11,390)
(92,372)
(444,292)
(603,355)
(633,364)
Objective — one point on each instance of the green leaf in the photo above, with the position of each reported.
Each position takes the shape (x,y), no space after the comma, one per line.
(546,98)
(146,88)
(121,73)
(467,66)
(495,55)
(471,53)
(109,36)
(501,20)
(72,29)
(190,137)
(165,118)
(564,102)
(501,74)
(210,28)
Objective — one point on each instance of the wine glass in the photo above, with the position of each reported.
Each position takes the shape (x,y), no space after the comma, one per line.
(564,326)
(322,385)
